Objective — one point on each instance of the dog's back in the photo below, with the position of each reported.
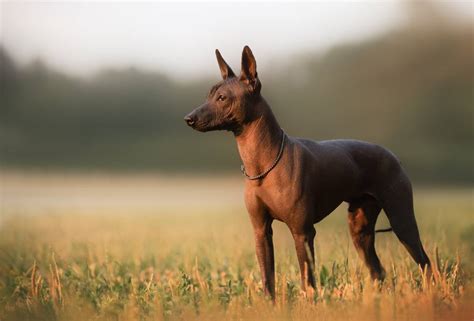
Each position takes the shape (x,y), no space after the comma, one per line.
(374,167)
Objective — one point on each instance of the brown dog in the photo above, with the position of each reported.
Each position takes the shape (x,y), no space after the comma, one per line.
(299,181)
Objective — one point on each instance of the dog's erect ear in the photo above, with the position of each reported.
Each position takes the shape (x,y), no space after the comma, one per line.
(248,73)
(226,72)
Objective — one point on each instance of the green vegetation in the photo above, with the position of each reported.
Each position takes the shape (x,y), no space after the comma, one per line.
(163,263)
(410,90)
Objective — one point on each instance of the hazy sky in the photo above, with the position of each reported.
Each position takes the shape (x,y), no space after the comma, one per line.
(180,38)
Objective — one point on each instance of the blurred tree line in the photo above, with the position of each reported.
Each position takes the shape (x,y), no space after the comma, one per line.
(409,90)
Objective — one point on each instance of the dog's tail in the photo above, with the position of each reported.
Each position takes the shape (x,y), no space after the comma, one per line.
(384,230)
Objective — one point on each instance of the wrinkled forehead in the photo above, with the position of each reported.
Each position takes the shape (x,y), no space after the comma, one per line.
(228,84)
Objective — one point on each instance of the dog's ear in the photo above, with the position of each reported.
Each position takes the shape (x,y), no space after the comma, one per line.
(226,72)
(248,74)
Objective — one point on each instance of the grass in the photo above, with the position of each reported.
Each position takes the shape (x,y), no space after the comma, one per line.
(188,255)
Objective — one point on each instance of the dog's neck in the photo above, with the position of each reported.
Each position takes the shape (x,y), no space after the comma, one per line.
(259,140)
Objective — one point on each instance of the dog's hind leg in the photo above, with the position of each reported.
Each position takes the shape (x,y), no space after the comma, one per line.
(362,217)
(397,203)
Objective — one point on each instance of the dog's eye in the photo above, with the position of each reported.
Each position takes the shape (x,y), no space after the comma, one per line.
(221,98)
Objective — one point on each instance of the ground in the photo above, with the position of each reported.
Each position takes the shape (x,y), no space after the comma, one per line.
(153,247)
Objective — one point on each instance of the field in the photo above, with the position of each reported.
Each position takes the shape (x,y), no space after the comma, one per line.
(153,247)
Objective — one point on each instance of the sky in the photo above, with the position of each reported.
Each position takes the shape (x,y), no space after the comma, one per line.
(179,38)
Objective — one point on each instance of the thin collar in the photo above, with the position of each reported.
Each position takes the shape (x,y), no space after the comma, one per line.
(275,162)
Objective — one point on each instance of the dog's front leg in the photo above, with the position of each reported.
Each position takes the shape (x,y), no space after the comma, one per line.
(304,243)
(264,248)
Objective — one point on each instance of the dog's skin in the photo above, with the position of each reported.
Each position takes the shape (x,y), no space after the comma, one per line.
(310,180)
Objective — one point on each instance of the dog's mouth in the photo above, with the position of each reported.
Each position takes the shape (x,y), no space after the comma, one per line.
(206,126)
(201,129)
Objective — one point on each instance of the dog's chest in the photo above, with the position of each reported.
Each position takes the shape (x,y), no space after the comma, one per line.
(279,200)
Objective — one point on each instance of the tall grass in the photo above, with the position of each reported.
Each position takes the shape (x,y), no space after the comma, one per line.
(165,264)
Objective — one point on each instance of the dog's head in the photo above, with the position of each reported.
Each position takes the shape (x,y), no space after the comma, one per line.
(229,103)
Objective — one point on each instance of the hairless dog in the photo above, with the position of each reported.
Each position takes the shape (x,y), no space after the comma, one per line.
(300,181)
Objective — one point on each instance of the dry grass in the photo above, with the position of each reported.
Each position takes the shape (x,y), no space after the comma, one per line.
(195,259)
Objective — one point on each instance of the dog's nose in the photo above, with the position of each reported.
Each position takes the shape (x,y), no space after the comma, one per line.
(189,120)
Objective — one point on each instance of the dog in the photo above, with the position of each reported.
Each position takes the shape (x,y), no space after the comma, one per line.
(300,181)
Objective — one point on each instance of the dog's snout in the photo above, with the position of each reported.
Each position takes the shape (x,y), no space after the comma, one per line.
(198,119)
(189,120)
